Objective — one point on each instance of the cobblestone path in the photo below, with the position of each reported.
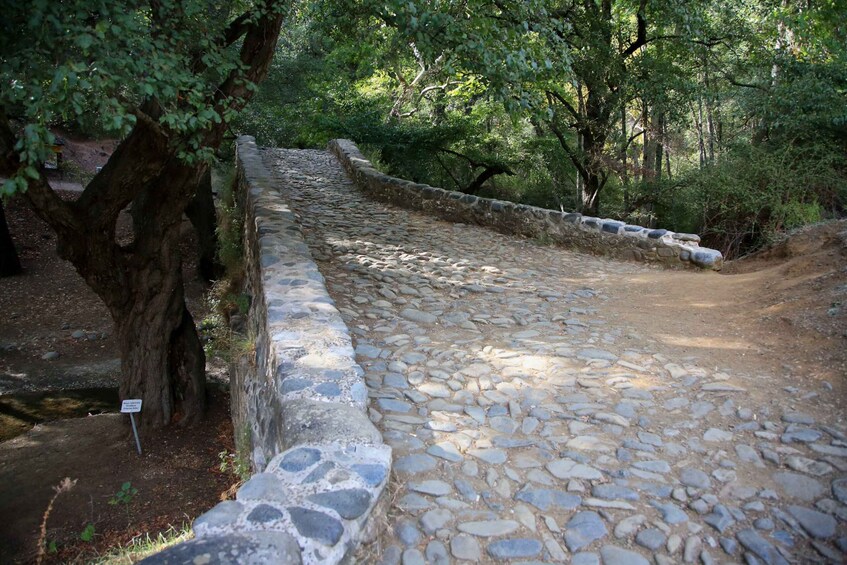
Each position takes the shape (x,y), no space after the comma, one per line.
(525,424)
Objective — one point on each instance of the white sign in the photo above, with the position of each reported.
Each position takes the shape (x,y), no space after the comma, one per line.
(131,406)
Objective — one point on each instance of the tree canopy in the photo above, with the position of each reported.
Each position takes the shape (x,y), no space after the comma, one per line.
(648,111)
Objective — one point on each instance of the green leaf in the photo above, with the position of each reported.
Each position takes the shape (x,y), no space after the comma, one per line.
(9,187)
(84,41)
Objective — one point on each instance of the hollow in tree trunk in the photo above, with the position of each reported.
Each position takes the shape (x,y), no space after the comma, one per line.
(201,212)
(9,262)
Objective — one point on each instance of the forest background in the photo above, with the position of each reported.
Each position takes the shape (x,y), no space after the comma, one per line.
(723,118)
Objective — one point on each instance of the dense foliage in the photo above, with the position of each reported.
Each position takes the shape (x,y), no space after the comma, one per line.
(724,118)
(93,64)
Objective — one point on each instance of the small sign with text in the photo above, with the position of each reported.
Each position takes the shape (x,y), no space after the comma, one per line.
(131,406)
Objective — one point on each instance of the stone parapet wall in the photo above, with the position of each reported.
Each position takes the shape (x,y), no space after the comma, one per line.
(594,235)
(302,399)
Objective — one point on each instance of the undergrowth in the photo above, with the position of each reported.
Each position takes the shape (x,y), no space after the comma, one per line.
(144,545)
(237,464)
(225,298)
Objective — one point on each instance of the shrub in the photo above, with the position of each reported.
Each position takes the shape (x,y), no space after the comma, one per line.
(756,191)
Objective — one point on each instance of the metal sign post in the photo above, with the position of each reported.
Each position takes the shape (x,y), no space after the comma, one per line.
(130,407)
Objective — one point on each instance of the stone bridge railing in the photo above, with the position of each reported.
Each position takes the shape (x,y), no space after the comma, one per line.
(584,233)
(302,399)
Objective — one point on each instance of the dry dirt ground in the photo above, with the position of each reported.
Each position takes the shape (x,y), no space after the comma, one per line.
(177,477)
(783,308)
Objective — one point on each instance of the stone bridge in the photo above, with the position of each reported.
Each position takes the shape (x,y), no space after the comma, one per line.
(525,423)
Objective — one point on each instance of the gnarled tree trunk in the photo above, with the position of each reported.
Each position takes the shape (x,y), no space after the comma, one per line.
(141,283)
(162,359)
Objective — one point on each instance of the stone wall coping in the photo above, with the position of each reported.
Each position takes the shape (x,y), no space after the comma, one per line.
(585,233)
(303,400)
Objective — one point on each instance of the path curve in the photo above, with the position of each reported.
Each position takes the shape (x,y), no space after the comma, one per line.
(528,426)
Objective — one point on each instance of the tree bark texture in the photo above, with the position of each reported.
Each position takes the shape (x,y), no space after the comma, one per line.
(162,359)
(9,263)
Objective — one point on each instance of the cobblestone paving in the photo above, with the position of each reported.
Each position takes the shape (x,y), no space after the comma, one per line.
(528,427)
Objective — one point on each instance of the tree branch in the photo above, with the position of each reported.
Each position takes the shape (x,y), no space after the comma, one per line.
(731,80)
(233,32)
(256,54)
(490,169)
(471,162)
(235,29)
(145,118)
(633,138)
(641,33)
(568,106)
(47,203)
(489,172)
(580,167)
(448,171)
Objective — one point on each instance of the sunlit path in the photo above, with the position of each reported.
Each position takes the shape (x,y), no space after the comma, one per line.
(528,425)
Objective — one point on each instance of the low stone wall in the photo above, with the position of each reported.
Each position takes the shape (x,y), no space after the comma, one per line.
(302,398)
(593,235)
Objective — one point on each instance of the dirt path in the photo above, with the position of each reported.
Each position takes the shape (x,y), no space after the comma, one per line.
(781,313)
